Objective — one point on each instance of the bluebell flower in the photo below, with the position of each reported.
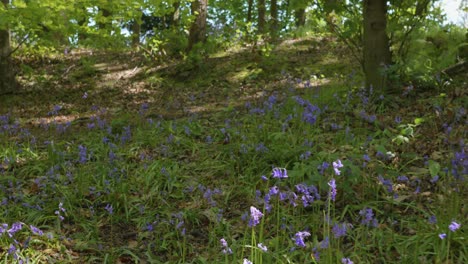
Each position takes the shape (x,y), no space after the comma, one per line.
(432,219)
(109,208)
(262,247)
(273,190)
(36,230)
(368,217)
(280,173)
(454,226)
(225,247)
(346,261)
(332,185)
(255,216)
(82,154)
(336,166)
(15,227)
(339,230)
(442,236)
(246,261)
(299,238)
(325,243)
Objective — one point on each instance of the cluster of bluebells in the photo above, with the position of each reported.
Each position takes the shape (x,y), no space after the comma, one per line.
(311,112)
(279,173)
(454,226)
(255,216)
(368,219)
(15,228)
(299,238)
(60,211)
(225,249)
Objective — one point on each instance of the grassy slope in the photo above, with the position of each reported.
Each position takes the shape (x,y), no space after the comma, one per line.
(159,162)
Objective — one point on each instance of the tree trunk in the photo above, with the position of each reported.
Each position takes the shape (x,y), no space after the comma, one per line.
(261,16)
(197,32)
(274,19)
(136,29)
(376,43)
(300,15)
(8,82)
(249,10)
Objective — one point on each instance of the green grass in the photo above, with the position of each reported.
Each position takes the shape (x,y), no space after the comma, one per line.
(135,187)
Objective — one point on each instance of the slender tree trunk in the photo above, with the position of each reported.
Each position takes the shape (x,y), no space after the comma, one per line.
(274,19)
(197,32)
(376,43)
(136,30)
(261,16)
(8,82)
(249,10)
(300,15)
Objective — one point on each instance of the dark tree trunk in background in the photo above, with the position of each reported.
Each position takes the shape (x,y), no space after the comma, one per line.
(261,16)
(8,82)
(197,32)
(300,15)
(274,19)
(249,10)
(376,43)
(136,30)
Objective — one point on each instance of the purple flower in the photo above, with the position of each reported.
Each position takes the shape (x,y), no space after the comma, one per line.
(264,178)
(442,236)
(336,166)
(36,230)
(432,219)
(299,238)
(368,217)
(225,247)
(15,227)
(82,155)
(262,247)
(280,173)
(274,190)
(12,250)
(332,185)
(109,208)
(346,261)
(339,230)
(323,167)
(454,226)
(246,261)
(255,216)
(325,243)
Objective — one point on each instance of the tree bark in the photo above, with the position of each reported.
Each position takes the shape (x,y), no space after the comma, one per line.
(8,82)
(249,10)
(300,15)
(274,19)
(376,43)
(261,16)
(136,29)
(197,31)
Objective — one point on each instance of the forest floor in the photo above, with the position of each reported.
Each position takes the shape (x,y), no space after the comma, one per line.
(137,151)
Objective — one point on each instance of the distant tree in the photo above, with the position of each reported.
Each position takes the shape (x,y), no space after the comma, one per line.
(8,82)
(274,23)
(376,50)
(197,31)
(261,8)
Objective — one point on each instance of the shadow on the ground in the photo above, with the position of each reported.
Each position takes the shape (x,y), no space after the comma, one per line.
(121,82)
